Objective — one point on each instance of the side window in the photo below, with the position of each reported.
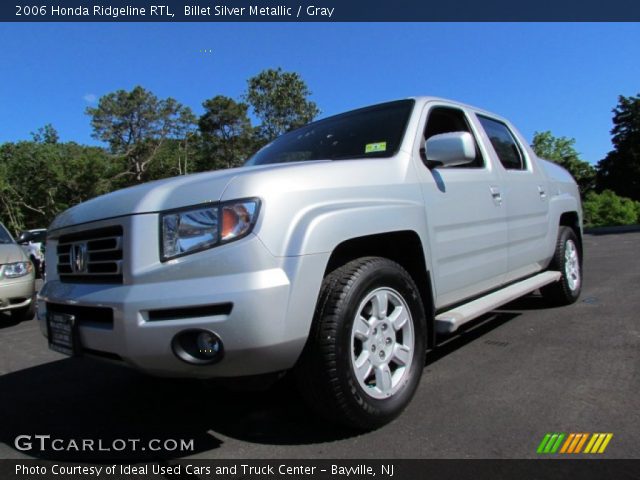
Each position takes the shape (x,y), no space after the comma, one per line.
(447,119)
(504,143)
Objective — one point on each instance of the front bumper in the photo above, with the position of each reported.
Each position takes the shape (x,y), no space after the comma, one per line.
(252,333)
(265,331)
(16,293)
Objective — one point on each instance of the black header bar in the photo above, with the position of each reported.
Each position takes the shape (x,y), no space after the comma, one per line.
(581,469)
(319,11)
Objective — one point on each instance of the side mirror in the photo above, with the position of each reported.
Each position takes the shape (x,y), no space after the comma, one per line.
(24,238)
(450,149)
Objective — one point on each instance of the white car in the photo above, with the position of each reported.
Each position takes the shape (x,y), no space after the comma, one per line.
(17,279)
(32,242)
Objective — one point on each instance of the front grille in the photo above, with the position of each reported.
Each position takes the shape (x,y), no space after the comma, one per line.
(92,256)
(99,317)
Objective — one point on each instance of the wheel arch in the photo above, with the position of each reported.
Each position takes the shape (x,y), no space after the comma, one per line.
(571,219)
(403,247)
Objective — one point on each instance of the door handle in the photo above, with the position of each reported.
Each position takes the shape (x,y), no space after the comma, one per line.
(496,195)
(542,193)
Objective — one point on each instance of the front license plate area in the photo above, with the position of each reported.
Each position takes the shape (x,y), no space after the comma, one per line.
(62,333)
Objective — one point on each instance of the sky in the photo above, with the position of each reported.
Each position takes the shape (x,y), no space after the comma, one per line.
(562,77)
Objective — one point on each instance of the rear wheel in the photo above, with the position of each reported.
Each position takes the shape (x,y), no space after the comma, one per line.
(365,354)
(566,260)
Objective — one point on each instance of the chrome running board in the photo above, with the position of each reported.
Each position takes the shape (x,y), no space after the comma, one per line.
(449,321)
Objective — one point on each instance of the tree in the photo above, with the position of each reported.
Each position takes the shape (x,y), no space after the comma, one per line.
(280,100)
(136,124)
(607,208)
(561,150)
(11,213)
(226,133)
(39,180)
(620,169)
(46,134)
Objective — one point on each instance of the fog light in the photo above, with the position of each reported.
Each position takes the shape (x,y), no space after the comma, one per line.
(208,344)
(198,347)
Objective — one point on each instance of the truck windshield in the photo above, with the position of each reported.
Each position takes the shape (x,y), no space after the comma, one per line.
(374,131)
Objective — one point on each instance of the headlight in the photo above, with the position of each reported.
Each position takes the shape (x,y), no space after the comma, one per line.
(200,228)
(18,269)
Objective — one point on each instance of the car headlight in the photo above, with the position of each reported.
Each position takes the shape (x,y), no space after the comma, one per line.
(17,269)
(199,228)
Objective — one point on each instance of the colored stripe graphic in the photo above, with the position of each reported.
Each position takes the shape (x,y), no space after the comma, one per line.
(567,443)
(550,443)
(581,442)
(605,443)
(543,443)
(591,442)
(555,447)
(577,440)
(573,443)
(598,442)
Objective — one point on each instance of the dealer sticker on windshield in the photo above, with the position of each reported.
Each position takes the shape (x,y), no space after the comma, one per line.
(375,147)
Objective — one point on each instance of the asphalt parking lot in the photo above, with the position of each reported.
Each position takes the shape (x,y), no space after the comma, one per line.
(492,391)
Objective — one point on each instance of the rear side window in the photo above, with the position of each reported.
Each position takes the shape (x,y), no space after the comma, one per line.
(504,143)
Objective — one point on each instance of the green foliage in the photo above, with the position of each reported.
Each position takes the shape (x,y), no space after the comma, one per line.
(607,209)
(148,138)
(136,125)
(620,169)
(46,134)
(39,180)
(561,150)
(175,157)
(227,137)
(279,100)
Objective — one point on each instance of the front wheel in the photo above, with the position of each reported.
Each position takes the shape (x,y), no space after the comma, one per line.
(24,313)
(567,261)
(366,351)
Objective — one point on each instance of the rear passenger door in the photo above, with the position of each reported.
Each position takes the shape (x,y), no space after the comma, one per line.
(465,215)
(525,197)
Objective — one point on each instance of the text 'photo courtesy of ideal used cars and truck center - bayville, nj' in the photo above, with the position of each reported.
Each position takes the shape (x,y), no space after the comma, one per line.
(341,243)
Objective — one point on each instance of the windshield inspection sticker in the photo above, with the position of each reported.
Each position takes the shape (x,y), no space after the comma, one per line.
(375,147)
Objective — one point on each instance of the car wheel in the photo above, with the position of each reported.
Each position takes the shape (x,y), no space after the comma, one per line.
(366,350)
(567,261)
(24,313)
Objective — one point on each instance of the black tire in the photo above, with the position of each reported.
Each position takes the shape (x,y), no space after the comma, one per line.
(24,313)
(567,290)
(326,374)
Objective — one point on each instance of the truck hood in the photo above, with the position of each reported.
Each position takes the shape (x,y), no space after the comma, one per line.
(10,253)
(157,196)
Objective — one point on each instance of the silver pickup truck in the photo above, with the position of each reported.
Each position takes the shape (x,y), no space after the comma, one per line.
(338,251)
